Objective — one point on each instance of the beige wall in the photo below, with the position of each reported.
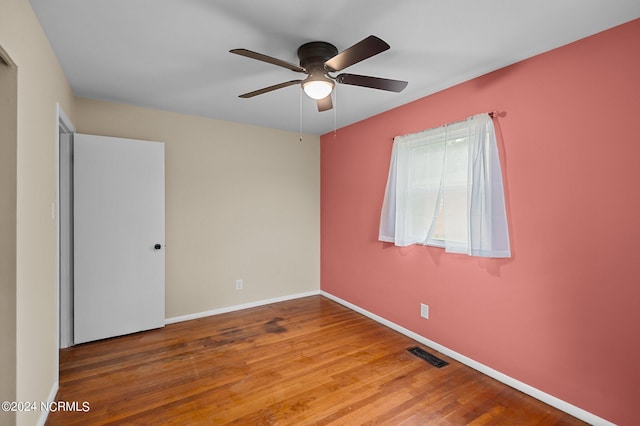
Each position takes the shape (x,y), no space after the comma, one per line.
(8,181)
(41,84)
(242,202)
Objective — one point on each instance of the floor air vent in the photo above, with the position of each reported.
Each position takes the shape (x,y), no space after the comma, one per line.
(431,359)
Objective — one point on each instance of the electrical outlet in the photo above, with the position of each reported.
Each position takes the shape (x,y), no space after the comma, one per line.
(239,284)
(424,311)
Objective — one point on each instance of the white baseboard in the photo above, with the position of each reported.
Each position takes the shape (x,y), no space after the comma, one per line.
(239,307)
(510,381)
(52,397)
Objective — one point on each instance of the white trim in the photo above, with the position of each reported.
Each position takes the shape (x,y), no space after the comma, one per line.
(62,121)
(510,381)
(239,307)
(52,397)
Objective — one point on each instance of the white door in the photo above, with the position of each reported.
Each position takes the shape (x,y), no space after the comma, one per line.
(118,236)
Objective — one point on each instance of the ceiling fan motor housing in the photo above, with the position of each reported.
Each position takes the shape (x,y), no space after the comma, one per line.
(313,55)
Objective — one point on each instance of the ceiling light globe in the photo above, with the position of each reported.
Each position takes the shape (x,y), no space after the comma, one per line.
(318,89)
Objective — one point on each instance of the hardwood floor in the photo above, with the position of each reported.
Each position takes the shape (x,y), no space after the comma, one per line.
(308,361)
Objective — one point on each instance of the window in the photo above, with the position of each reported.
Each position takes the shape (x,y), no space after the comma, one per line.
(445,190)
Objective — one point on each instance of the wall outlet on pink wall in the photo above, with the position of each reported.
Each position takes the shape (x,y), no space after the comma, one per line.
(424,311)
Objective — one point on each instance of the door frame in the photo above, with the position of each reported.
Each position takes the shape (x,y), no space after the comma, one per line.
(63,289)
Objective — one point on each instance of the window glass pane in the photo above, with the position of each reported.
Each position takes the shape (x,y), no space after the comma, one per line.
(438,230)
(424,183)
(454,199)
(455,211)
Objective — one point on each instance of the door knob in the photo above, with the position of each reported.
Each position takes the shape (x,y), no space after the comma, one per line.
(157,247)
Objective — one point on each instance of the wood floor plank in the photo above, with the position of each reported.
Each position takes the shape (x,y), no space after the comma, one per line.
(308,361)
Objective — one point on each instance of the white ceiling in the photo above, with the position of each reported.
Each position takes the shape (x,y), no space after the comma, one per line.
(174,55)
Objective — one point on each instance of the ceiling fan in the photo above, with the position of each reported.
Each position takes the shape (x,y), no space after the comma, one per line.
(318,59)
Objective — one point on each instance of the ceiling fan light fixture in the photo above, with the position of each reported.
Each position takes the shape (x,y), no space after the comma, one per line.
(317,89)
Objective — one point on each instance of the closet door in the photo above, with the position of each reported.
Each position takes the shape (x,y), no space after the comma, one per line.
(118,236)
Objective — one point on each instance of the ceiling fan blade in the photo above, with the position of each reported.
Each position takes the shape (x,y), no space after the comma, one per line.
(268,59)
(360,51)
(325,104)
(372,82)
(270,88)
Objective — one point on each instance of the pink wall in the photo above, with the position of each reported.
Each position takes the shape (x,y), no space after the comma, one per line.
(563,314)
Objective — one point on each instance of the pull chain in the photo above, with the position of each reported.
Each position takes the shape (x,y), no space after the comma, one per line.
(335,111)
(300,115)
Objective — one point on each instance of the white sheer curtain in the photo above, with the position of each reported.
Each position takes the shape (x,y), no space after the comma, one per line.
(488,229)
(445,189)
